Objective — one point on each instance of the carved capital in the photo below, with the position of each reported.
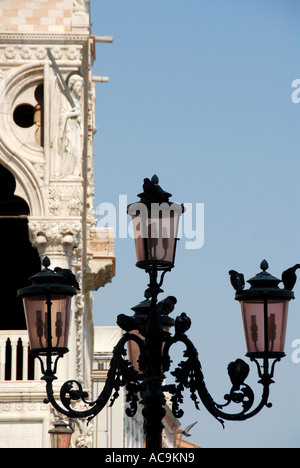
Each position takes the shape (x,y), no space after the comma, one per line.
(55,239)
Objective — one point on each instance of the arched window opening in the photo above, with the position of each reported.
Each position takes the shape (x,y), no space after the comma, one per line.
(18,259)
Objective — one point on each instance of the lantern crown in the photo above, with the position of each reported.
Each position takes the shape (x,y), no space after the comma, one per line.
(264,284)
(264,279)
(47,279)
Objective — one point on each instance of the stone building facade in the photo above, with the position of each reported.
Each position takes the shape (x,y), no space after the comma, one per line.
(47,123)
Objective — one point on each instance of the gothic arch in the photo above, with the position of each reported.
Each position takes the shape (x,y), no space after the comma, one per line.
(27,187)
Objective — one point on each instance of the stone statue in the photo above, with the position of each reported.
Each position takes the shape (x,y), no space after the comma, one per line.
(71,131)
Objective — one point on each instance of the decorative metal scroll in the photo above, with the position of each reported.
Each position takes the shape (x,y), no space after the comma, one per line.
(188,375)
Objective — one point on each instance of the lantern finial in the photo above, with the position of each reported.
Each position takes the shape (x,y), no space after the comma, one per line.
(264,265)
(46,262)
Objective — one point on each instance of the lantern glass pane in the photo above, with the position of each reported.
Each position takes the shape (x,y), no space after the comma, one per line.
(254,325)
(60,440)
(155,232)
(134,349)
(37,321)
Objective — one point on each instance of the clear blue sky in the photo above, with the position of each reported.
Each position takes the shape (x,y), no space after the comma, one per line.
(200,94)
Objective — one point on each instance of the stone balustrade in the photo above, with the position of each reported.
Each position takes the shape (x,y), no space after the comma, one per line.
(15,362)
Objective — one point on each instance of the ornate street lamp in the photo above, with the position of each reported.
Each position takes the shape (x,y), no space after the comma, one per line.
(147,336)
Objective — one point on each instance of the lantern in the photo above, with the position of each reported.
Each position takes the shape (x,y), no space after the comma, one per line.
(47,305)
(265,311)
(141,316)
(155,222)
(61,435)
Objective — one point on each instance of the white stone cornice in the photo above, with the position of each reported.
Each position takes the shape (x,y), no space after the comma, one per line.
(39,37)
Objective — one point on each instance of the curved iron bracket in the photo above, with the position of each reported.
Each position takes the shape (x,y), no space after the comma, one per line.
(189,375)
(121,374)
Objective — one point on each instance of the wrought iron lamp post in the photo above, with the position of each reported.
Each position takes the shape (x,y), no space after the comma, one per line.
(264,310)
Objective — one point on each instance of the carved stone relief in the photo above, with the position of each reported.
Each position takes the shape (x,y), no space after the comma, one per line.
(80,5)
(80,17)
(83,434)
(17,406)
(65,200)
(22,52)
